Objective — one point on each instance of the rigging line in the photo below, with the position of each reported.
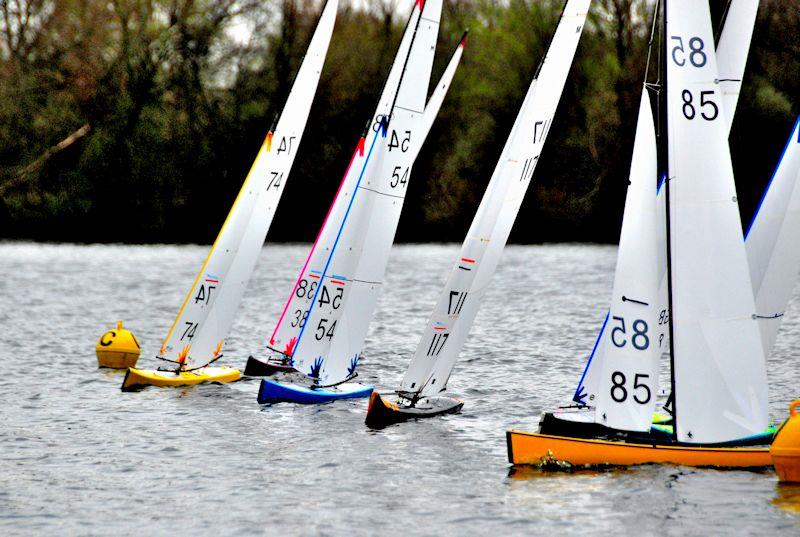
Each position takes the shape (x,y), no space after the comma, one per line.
(314,246)
(321,387)
(202,366)
(550,41)
(591,357)
(650,43)
(336,197)
(330,209)
(665,144)
(201,323)
(381,193)
(384,128)
(405,67)
(336,241)
(355,280)
(410,110)
(722,22)
(273,349)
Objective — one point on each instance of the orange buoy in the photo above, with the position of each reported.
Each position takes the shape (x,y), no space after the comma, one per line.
(117,348)
(785,449)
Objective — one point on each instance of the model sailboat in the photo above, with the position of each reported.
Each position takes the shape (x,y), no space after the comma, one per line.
(282,341)
(195,339)
(770,243)
(717,364)
(450,322)
(335,297)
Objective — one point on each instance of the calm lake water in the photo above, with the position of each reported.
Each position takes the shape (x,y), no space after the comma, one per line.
(79,457)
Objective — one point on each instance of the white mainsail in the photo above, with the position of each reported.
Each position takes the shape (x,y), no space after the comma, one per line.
(635,333)
(295,312)
(732,52)
(450,322)
(718,362)
(207,313)
(356,248)
(773,242)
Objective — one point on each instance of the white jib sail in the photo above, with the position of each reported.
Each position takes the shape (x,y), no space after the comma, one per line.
(295,312)
(719,370)
(329,344)
(208,310)
(450,322)
(732,49)
(773,242)
(634,336)
(732,52)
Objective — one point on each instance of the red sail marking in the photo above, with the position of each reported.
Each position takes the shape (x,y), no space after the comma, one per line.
(290,347)
(314,246)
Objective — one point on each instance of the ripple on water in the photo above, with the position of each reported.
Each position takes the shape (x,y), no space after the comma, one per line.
(80,457)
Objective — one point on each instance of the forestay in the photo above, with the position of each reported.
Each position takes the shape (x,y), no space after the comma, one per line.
(718,364)
(329,344)
(732,52)
(773,242)
(635,332)
(450,322)
(208,310)
(295,312)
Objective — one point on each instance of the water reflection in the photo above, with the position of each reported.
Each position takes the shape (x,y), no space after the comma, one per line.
(787,497)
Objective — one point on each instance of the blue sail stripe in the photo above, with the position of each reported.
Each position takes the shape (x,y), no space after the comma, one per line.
(338,236)
(577,397)
(774,173)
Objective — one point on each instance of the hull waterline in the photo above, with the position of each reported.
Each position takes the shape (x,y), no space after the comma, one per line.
(277,392)
(536,449)
(382,413)
(265,368)
(136,379)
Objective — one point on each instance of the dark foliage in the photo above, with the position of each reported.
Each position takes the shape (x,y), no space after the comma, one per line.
(137,120)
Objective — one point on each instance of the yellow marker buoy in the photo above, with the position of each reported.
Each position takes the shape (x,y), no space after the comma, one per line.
(117,349)
(785,449)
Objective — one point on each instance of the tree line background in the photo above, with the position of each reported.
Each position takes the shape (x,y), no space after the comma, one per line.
(137,120)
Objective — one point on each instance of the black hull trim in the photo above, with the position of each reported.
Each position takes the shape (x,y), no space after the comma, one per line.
(382,413)
(554,426)
(259,368)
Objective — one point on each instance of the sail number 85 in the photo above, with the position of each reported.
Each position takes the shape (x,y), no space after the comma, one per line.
(619,392)
(639,338)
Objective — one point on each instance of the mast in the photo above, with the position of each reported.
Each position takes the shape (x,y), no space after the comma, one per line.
(664,141)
